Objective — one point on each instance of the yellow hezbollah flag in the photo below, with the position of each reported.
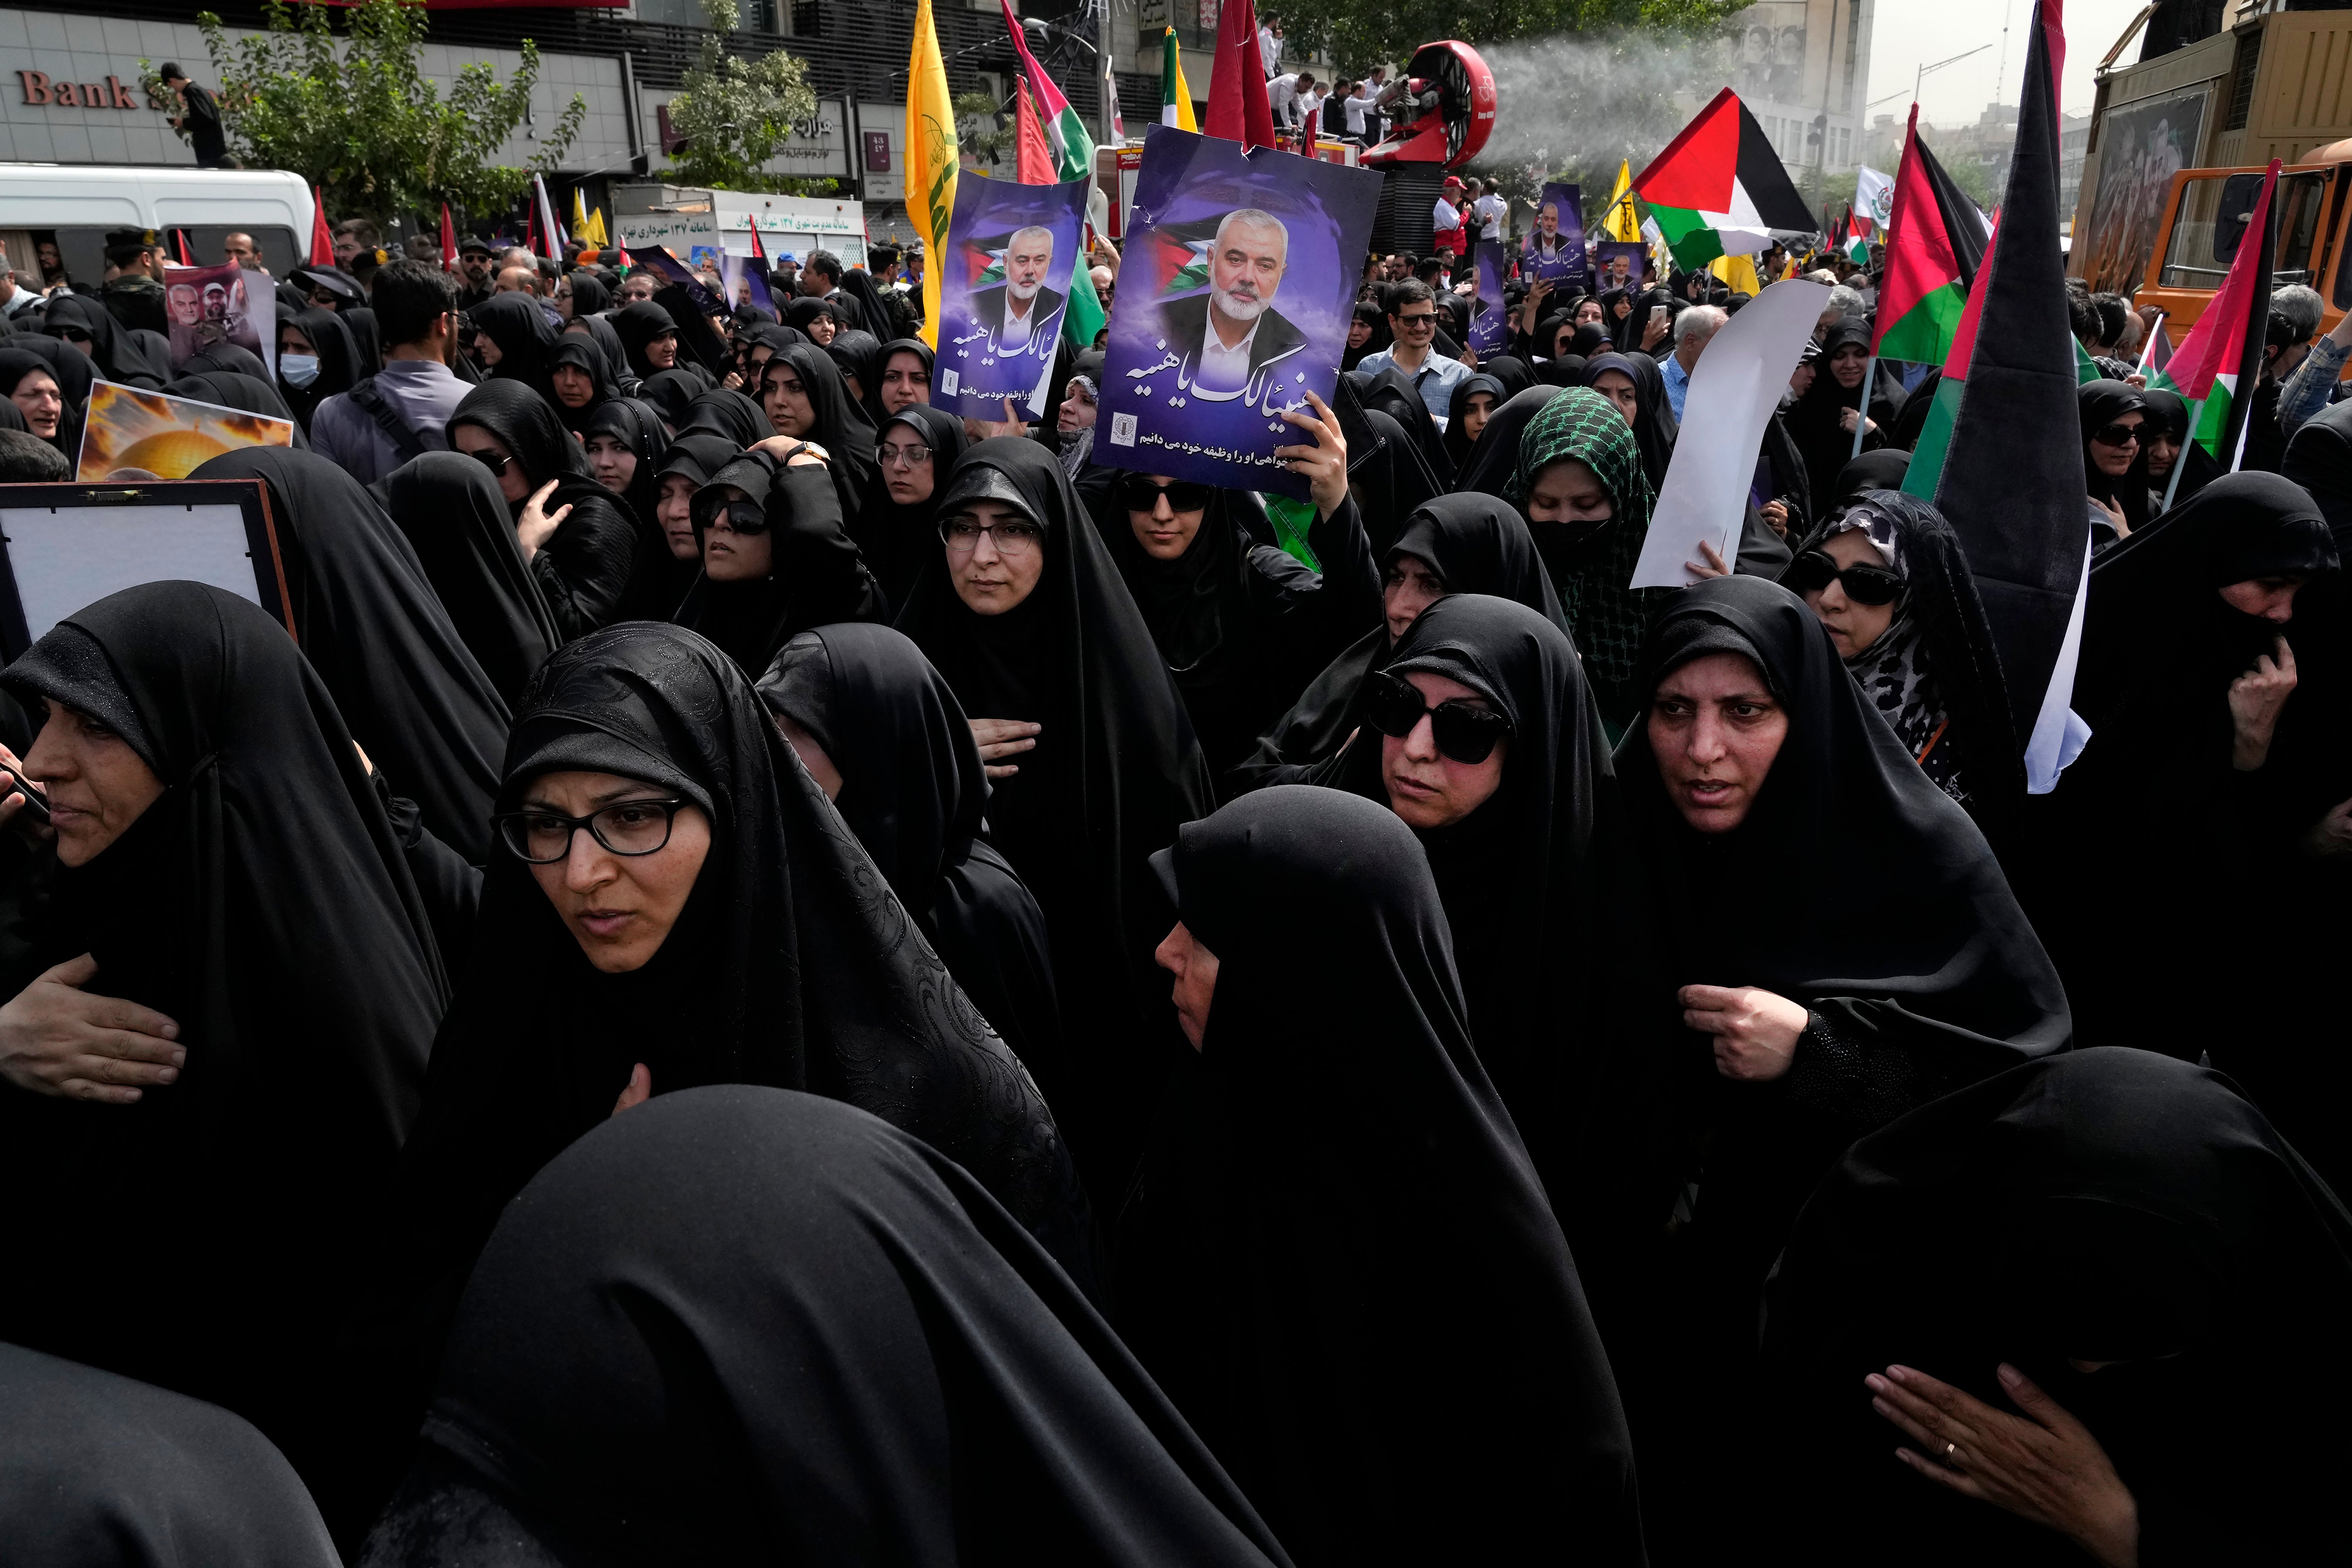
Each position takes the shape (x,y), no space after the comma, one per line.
(1738,271)
(1175,98)
(1621,224)
(931,155)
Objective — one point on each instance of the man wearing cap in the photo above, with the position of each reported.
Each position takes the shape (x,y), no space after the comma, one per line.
(1449,236)
(474,261)
(132,294)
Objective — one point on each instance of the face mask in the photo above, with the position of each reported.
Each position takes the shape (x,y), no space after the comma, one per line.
(299,370)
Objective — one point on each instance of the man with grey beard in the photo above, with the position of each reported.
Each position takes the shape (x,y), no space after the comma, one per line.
(1021,315)
(1228,335)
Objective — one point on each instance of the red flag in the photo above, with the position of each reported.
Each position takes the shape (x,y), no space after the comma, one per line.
(322,243)
(759,251)
(1238,110)
(181,235)
(448,241)
(1033,160)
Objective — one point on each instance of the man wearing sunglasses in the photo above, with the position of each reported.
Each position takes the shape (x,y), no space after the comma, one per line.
(1413,317)
(1227,337)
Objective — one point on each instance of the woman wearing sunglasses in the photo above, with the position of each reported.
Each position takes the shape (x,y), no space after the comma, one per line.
(1091,762)
(776,561)
(672,902)
(2117,426)
(595,560)
(1243,626)
(1886,578)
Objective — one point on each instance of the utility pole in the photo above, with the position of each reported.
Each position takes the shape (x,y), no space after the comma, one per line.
(1822,121)
(1106,137)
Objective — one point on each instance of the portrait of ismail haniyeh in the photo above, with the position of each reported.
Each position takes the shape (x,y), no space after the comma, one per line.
(1020,315)
(1227,335)
(1545,241)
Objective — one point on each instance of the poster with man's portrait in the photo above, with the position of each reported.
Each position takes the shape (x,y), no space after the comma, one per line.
(1234,301)
(209,305)
(1554,248)
(1004,284)
(2141,147)
(1619,264)
(1490,310)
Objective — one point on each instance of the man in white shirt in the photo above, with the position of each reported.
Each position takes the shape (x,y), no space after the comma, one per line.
(1269,46)
(1353,103)
(1489,212)
(1413,317)
(1283,93)
(1693,329)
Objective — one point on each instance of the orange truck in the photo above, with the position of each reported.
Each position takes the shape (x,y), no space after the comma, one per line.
(2177,151)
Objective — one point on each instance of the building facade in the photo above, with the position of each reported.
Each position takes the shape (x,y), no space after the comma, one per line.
(1804,72)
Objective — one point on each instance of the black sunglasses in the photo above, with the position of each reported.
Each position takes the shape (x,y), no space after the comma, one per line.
(1140,494)
(1465,734)
(747,517)
(73,335)
(2119,436)
(1814,570)
(495,461)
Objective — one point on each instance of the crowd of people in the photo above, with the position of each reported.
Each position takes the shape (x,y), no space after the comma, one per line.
(775,974)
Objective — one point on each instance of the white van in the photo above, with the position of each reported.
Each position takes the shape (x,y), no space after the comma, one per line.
(66,210)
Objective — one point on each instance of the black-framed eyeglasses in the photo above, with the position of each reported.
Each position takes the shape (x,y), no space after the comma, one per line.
(1140,494)
(2120,435)
(1814,570)
(496,462)
(631,827)
(1467,734)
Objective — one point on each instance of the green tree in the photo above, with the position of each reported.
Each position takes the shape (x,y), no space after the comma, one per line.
(356,117)
(1358,33)
(735,113)
(984,133)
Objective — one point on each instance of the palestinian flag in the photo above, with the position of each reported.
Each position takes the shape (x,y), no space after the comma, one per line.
(1934,247)
(2012,492)
(2224,350)
(1854,249)
(2086,369)
(1073,159)
(1180,257)
(1718,189)
(1175,98)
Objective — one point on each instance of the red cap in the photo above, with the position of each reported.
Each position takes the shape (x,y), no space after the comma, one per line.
(1453,182)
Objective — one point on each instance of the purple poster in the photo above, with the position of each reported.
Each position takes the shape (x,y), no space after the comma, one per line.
(1555,249)
(208,305)
(1004,285)
(1235,295)
(1490,313)
(1622,264)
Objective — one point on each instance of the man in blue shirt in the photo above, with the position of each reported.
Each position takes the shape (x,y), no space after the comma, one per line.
(1692,328)
(1413,317)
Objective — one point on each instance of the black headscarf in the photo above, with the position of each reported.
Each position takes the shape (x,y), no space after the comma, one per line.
(1812,419)
(1337,1260)
(1496,462)
(897,540)
(792,965)
(724,411)
(814,577)
(874,312)
(525,338)
(362,322)
(1933,674)
(636,425)
(672,393)
(915,346)
(1392,392)
(2172,410)
(232,390)
(599,566)
(15,364)
(608,344)
(262,903)
(1916,964)
(841,426)
(72,370)
(1387,477)
(97,1469)
(1116,769)
(233,358)
(365,608)
(589,295)
(1457,440)
(2101,404)
(1654,426)
(118,357)
(338,356)
(859,354)
(2105,1206)
(913,791)
(639,323)
(806,309)
(449,507)
(579,351)
(757,1236)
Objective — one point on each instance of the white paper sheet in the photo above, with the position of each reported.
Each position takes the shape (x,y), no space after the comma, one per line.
(1738,385)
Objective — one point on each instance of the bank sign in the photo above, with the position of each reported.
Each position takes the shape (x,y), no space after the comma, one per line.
(44,91)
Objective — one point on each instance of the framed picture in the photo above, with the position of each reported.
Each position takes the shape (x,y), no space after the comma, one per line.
(63,547)
(133,437)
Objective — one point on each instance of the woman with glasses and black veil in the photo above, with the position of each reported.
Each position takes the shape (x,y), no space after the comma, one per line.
(1091,762)
(1242,623)
(899,529)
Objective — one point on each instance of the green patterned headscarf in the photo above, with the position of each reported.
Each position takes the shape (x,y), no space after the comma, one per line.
(1609,620)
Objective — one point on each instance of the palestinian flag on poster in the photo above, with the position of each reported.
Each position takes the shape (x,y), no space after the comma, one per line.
(1073,159)
(2013,494)
(1718,189)
(2224,349)
(1935,245)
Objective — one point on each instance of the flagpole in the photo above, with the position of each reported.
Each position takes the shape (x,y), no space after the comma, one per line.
(2148,352)
(1862,415)
(2180,462)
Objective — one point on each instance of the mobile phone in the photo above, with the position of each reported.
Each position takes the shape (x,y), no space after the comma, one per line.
(1658,312)
(35,805)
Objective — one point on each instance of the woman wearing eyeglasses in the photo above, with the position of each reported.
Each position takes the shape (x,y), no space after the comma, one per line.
(775,559)
(1091,762)
(2116,427)
(899,531)
(673,903)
